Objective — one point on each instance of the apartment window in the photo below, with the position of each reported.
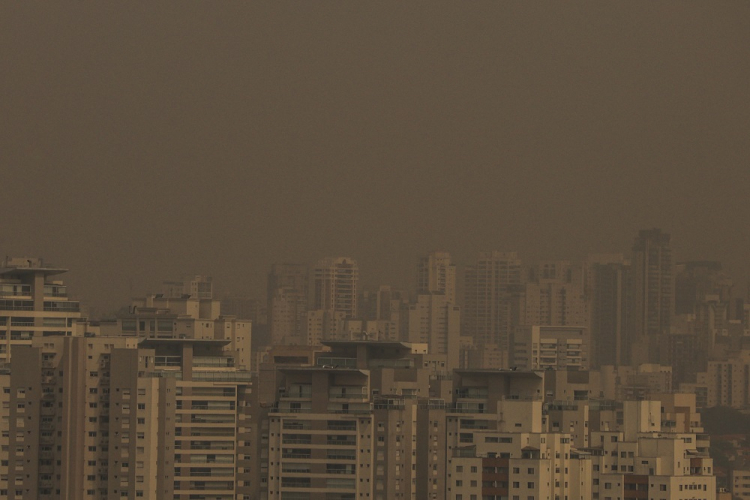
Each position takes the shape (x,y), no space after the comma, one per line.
(459,483)
(530,485)
(473,468)
(662,487)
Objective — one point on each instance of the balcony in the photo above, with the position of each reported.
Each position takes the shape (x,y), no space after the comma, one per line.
(213,362)
(347,408)
(55,291)
(391,363)
(331,362)
(168,361)
(231,376)
(335,394)
(390,404)
(468,408)
(62,306)
(15,291)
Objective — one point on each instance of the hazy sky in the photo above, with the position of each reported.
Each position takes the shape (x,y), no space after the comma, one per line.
(140,141)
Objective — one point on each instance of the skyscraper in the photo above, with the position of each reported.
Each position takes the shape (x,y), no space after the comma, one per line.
(434,321)
(488,312)
(436,274)
(336,285)
(610,289)
(554,296)
(653,291)
(287,303)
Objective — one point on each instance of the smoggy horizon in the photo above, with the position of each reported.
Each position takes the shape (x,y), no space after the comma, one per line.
(142,142)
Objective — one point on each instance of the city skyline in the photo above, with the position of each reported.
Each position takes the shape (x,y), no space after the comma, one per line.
(138,141)
(375,250)
(407,281)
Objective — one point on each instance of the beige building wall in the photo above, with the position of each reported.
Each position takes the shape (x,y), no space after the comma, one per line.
(551,347)
(33,304)
(335,285)
(433,320)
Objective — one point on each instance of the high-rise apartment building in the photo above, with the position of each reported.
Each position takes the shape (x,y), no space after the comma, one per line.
(335,286)
(498,445)
(287,303)
(437,274)
(653,292)
(554,296)
(610,292)
(185,317)
(488,313)
(347,427)
(120,417)
(32,304)
(435,321)
(552,348)
(696,280)
(196,286)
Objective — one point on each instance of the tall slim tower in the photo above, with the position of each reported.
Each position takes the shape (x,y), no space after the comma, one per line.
(436,274)
(287,303)
(653,291)
(488,312)
(335,287)
(610,290)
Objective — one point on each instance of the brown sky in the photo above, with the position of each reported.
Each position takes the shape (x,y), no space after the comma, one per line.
(139,141)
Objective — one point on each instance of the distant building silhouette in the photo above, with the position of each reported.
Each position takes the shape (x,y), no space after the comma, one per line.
(335,285)
(287,303)
(488,308)
(653,292)
(436,273)
(610,290)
